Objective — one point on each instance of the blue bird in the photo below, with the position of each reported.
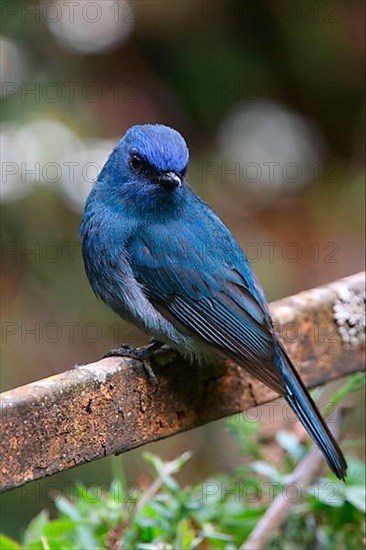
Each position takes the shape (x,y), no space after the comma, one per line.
(159,257)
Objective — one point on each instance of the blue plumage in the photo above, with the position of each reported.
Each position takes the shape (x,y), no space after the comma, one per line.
(162,259)
(162,147)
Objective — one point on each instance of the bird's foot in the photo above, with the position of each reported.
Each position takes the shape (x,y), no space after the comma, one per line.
(142,354)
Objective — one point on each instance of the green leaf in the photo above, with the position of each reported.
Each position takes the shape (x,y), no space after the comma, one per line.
(353,383)
(35,545)
(171,484)
(290,443)
(59,527)
(35,529)
(181,461)
(64,506)
(145,521)
(355,494)
(209,532)
(8,544)
(267,470)
(162,511)
(152,546)
(165,469)
(154,461)
(185,535)
(356,471)
(327,492)
(84,532)
(59,543)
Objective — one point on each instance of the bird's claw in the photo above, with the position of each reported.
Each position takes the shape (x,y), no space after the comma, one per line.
(142,354)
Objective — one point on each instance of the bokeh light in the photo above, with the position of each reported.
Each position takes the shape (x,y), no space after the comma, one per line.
(277,149)
(12,66)
(83,167)
(91,27)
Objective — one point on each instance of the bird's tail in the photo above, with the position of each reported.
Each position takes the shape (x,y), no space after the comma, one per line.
(302,404)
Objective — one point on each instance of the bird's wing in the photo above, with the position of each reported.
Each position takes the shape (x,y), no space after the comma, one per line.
(210,299)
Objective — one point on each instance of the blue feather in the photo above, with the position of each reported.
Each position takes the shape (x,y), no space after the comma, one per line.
(161,258)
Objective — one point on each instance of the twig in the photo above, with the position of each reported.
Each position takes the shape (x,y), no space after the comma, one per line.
(271,521)
(168,469)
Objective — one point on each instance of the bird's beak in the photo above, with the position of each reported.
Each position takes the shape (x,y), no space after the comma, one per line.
(170,180)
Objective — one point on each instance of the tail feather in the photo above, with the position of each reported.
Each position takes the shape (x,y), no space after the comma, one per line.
(304,407)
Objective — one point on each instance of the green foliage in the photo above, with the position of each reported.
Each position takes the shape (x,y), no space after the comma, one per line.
(8,544)
(218,513)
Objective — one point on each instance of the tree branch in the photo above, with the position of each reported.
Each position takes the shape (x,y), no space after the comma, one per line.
(110,406)
(271,521)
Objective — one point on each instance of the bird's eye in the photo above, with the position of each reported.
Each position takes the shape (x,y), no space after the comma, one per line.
(136,163)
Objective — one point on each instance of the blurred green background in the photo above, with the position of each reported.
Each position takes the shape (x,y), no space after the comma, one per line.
(269,96)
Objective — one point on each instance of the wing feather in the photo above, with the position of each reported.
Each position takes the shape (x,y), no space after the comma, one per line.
(211,301)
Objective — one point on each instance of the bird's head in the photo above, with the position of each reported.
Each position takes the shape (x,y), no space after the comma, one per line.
(146,168)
